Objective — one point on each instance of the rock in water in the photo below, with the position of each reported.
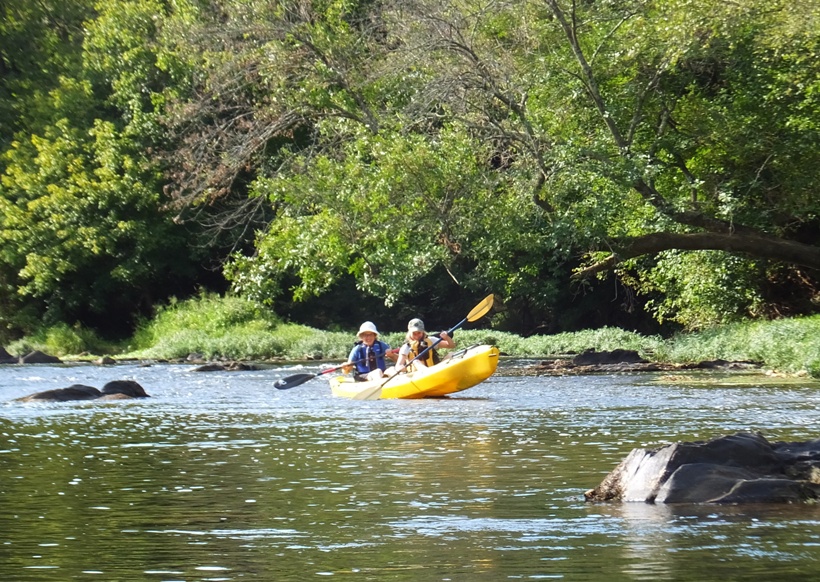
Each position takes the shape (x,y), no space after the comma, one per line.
(739,468)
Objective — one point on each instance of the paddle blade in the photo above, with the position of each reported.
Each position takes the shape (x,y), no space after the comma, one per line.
(293,381)
(482,308)
(370,393)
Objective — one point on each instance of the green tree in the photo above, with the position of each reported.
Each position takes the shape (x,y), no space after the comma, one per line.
(361,181)
(650,126)
(83,233)
(512,137)
(39,41)
(712,124)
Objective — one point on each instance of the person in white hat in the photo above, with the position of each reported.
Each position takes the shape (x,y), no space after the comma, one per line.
(366,359)
(417,342)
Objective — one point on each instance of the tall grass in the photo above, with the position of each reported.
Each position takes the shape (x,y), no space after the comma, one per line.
(62,340)
(234,328)
(786,345)
(606,338)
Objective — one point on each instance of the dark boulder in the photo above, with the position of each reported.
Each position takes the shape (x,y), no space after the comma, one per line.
(226,367)
(115,390)
(122,389)
(73,392)
(38,357)
(618,356)
(740,468)
(7,358)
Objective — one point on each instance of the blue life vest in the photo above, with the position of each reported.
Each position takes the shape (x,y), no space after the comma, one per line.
(368,358)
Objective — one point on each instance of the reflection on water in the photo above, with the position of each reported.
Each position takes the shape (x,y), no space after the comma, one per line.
(219,476)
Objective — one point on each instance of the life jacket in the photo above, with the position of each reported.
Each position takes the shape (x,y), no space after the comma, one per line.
(368,358)
(431,357)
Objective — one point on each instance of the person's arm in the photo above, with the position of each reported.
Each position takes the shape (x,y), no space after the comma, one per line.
(446,341)
(389,353)
(385,353)
(350,359)
(401,361)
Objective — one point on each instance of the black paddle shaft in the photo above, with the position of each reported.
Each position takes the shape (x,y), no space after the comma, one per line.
(299,379)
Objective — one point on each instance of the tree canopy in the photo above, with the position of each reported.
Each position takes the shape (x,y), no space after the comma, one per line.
(416,146)
(83,235)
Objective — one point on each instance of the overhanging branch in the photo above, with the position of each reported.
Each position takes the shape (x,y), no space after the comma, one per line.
(761,247)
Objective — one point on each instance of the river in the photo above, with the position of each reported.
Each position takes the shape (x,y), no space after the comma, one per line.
(219,476)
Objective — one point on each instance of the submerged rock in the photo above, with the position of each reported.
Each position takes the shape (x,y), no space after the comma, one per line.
(624,361)
(114,390)
(226,367)
(739,468)
(617,356)
(73,392)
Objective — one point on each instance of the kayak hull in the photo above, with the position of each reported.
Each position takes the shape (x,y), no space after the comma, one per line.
(458,371)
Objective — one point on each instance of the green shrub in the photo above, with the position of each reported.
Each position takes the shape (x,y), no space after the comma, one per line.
(62,340)
(235,328)
(208,314)
(787,345)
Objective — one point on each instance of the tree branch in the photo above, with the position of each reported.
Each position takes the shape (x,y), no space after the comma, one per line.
(757,246)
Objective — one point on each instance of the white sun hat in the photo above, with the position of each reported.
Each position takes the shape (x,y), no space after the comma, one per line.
(367,327)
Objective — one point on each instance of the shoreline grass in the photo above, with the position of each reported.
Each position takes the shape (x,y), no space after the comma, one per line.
(233,328)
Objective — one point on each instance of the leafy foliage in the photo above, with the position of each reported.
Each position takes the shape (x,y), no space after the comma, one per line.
(419,147)
(79,225)
(83,233)
(392,211)
(705,288)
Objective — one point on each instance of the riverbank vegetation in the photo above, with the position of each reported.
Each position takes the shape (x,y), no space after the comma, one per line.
(644,165)
(237,329)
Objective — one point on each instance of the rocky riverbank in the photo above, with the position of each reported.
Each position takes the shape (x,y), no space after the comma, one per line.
(620,361)
(587,362)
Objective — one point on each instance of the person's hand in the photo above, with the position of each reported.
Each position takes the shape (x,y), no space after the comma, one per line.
(393,354)
(348,369)
(446,340)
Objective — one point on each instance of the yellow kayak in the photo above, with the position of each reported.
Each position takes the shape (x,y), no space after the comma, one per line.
(456,372)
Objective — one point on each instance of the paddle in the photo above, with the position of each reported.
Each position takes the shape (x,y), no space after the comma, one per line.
(298,379)
(479,311)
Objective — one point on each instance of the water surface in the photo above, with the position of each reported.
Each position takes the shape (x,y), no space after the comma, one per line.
(219,476)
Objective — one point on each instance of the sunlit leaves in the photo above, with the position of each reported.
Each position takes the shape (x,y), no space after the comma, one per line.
(77,221)
(120,55)
(701,289)
(392,210)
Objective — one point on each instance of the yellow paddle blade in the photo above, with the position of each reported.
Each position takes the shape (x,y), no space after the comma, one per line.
(482,308)
(372,393)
